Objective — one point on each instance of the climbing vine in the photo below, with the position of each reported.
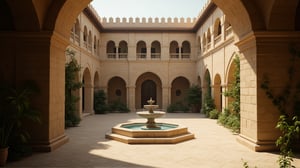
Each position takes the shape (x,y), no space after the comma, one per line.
(288,104)
(230,117)
(71,85)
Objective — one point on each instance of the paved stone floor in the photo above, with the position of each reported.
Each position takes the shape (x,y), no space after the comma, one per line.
(213,147)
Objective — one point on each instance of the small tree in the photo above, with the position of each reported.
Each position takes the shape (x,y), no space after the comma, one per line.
(193,98)
(100,106)
(71,85)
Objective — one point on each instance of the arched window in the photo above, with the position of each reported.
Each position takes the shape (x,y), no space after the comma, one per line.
(95,44)
(155,50)
(90,41)
(227,27)
(217,31)
(185,50)
(123,49)
(174,50)
(204,42)
(111,49)
(77,31)
(208,39)
(141,50)
(85,36)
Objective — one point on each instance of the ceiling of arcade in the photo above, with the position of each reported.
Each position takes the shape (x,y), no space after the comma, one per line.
(59,15)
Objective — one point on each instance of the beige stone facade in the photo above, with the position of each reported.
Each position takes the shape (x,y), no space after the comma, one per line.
(125,56)
(35,34)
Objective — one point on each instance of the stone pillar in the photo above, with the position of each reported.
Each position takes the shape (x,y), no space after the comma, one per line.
(263,53)
(131,98)
(166,93)
(41,57)
(89,98)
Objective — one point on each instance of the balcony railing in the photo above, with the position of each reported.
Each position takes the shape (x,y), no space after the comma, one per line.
(228,32)
(123,55)
(111,55)
(174,55)
(155,55)
(141,55)
(185,55)
(217,39)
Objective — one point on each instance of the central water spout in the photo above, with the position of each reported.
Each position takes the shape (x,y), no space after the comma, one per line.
(151,114)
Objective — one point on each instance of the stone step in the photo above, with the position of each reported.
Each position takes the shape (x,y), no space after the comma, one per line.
(155,140)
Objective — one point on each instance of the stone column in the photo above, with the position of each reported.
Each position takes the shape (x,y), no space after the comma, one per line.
(41,57)
(131,98)
(166,94)
(263,53)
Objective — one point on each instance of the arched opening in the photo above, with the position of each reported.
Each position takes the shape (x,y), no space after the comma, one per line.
(174,50)
(141,50)
(116,91)
(87,92)
(207,91)
(148,91)
(77,31)
(96,82)
(186,50)
(123,50)
(204,45)
(111,49)
(148,85)
(155,50)
(208,39)
(85,36)
(217,92)
(179,87)
(217,30)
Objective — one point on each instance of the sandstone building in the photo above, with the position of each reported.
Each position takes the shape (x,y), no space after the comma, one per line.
(170,56)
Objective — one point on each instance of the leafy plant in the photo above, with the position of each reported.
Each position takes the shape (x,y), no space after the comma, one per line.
(287,103)
(178,106)
(100,106)
(230,117)
(214,114)
(193,98)
(118,106)
(71,69)
(15,107)
(208,102)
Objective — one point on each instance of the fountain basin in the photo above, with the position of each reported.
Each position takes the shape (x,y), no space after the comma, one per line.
(132,133)
(155,114)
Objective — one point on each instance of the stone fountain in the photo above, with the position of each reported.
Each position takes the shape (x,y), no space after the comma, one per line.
(151,115)
(150,132)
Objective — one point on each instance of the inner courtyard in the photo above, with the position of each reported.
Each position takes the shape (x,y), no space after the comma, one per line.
(134,59)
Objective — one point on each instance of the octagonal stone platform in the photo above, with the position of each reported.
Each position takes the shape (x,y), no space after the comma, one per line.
(173,135)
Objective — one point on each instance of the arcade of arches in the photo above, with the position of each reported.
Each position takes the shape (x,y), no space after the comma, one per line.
(34,35)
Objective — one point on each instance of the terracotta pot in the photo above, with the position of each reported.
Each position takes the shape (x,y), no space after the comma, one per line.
(3,156)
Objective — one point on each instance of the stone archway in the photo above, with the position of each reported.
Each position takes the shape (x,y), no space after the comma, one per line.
(151,81)
(116,91)
(217,92)
(87,93)
(179,87)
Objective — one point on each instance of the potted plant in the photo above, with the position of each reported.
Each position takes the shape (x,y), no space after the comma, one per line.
(14,108)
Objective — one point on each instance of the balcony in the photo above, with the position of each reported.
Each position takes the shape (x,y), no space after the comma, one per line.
(141,55)
(155,55)
(185,55)
(111,55)
(123,55)
(174,55)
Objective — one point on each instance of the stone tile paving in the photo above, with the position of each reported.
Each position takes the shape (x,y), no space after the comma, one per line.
(213,147)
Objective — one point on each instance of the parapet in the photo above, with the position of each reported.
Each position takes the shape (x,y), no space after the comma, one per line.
(147,22)
(143,23)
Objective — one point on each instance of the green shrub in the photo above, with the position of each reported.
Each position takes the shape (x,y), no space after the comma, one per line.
(193,98)
(214,114)
(208,105)
(178,106)
(229,120)
(118,106)
(100,106)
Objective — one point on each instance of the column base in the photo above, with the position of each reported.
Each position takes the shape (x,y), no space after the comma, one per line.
(257,146)
(48,146)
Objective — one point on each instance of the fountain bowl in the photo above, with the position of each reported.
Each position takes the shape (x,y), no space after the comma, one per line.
(155,114)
